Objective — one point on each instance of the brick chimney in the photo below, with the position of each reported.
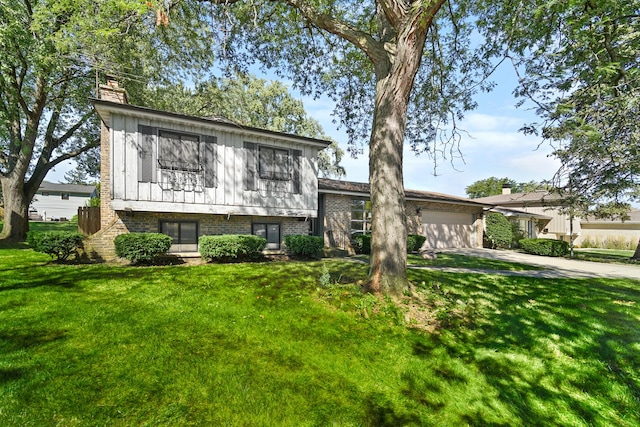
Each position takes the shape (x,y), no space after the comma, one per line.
(506,188)
(113,92)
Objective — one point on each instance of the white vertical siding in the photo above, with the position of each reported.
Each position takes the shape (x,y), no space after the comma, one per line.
(228,193)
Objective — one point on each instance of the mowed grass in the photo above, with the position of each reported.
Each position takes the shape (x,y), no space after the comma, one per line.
(605,255)
(272,344)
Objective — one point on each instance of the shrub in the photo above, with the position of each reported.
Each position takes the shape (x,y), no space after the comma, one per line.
(142,247)
(546,247)
(415,242)
(361,243)
(58,244)
(304,246)
(231,247)
(498,233)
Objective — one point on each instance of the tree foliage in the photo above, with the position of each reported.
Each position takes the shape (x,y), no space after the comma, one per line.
(53,52)
(584,75)
(493,186)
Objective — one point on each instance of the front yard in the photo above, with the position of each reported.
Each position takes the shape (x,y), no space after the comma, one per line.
(297,344)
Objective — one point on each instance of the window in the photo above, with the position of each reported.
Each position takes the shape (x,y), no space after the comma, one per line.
(179,151)
(184,234)
(176,161)
(360,216)
(271,232)
(64,196)
(273,170)
(274,163)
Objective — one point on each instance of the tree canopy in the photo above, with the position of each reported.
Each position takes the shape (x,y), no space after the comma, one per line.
(53,53)
(584,76)
(493,186)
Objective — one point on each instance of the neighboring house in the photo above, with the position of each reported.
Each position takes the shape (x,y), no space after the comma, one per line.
(608,233)
(446,221)
(60,201)
(537,213)
(187,177)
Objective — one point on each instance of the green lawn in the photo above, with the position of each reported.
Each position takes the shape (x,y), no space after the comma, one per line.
(265,344)
(605,255)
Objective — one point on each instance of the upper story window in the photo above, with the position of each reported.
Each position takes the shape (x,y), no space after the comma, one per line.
(274,163)
(178,151)
(176,160)
(272,169)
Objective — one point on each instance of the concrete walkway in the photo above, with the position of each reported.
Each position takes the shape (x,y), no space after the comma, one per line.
(553,267)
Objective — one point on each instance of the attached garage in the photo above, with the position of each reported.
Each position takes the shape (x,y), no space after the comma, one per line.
(446,221)
(448,229)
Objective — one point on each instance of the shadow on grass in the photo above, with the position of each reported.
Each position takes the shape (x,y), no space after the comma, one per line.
(542,347)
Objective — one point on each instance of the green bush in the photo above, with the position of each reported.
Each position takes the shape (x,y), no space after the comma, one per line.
(361,243)
(231,247)
(304,246)
(546,247)
(415,242)
(58,244)
(142,247)
(498,232)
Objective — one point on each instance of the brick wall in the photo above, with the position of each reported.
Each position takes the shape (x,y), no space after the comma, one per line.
(337,221)
(100,245)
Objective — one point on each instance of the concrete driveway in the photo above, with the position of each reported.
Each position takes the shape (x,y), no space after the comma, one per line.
(553,267)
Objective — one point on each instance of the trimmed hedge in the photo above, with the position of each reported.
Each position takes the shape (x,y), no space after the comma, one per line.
(304,246)
(546,247)
(231,247)
(415,242)
(499,231)
(362,243)
(57,244)
(142,247)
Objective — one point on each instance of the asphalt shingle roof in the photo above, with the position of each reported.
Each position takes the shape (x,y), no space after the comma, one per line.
(364,189)
(67,188)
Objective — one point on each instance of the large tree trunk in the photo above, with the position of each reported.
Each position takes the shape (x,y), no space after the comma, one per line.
(16,207)
(636,255)
(388,269)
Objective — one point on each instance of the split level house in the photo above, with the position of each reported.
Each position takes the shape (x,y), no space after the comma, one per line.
(188,177)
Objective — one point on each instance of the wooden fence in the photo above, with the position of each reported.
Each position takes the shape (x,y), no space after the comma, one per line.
(88,220)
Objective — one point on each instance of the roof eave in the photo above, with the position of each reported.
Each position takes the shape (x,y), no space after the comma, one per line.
(105,108)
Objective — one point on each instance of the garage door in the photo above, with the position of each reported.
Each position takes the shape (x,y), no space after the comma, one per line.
(448,229)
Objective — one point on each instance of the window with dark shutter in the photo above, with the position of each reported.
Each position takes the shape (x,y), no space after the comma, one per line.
(250,166)
(210,166)
(296,172)
(146,136)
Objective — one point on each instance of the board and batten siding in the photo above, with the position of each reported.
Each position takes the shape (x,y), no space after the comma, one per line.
(228,195)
